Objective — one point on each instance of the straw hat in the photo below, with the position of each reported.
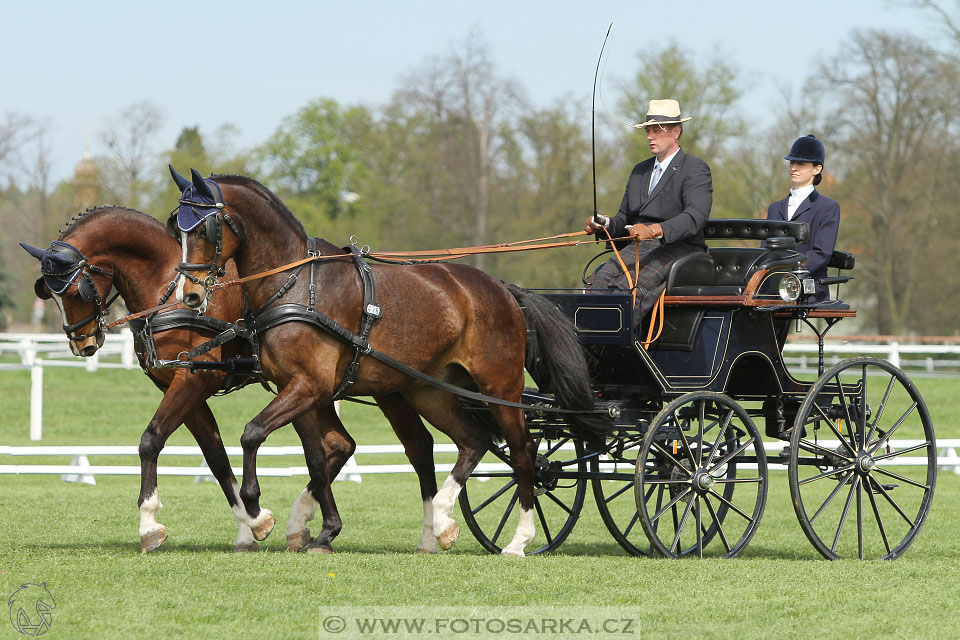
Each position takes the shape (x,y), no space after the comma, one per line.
(663,112)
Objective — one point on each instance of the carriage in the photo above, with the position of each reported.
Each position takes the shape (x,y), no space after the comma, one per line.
(685,471)
(678,465)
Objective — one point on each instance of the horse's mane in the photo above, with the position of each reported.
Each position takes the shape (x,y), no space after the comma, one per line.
(77,221)
(262,191)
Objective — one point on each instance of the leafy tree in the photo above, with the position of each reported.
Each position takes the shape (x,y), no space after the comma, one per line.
(129,172)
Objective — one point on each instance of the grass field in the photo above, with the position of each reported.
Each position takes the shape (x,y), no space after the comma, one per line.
(82,541)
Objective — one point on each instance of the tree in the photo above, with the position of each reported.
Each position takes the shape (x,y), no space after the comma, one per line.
(894,100)
(129,140)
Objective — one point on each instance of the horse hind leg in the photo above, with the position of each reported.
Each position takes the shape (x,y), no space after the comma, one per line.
(418,446)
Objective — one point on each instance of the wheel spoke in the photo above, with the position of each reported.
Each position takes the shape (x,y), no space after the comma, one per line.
(883,439)
(846,411)
(699,521)
(860,508)
(883,405)
(675,462)
(633,521)
(730,505)
(558,502)
(894,504)
(900,452)
(496,495)
(716,520)
(843,514)
(686,443)
(737,480)
(826,474)
(733,454)
(618,492)
(723,430)
(806,445)
(503,520)
(876,514)
(833,494)
(543,520)
(679,527)
(680,495)
(897,476)
(551,450)
(703,418)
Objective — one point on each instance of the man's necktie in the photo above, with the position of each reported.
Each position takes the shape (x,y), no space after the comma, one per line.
(653,180)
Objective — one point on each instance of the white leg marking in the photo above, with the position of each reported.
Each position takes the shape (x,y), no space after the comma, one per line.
(244,532)
(428,541)
(303,510)
(148,515)
(524,535)
(443,505)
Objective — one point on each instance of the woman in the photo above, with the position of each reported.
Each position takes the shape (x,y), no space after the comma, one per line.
(805,204)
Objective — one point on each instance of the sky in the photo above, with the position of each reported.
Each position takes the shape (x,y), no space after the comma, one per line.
(78,65)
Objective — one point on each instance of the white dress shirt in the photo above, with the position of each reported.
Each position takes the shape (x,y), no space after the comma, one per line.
(796,197)
(663,167)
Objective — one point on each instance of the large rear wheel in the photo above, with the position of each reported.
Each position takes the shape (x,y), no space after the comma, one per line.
(863,461)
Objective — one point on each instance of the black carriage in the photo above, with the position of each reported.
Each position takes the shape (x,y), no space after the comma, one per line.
(685,470)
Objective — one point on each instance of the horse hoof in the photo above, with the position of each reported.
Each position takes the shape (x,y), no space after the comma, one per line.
(298,541)
(448,537)
(246,546)
(312,549)
(153,540)
(262,529)
(512,553)
(426,552)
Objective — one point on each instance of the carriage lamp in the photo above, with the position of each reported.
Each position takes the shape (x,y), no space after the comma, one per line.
(789,287)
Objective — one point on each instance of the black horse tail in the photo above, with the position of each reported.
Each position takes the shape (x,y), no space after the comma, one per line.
(556,362)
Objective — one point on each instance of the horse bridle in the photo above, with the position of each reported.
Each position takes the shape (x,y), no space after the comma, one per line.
(212,228)
(86,287)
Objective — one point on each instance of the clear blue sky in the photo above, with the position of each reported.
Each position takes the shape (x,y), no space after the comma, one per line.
(77,64)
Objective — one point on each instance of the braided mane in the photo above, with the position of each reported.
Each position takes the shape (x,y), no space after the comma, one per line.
(84,216)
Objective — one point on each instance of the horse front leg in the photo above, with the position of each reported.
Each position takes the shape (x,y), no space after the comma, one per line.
(203,426)
(326,447)
(178,400)
(522,455)
(293,401)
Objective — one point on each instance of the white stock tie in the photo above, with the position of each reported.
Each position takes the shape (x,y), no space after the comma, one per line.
(654,178)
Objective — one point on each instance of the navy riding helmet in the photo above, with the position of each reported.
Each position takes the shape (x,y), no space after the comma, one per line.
(807,149)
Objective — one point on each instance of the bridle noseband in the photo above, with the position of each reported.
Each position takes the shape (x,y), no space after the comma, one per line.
(80,269)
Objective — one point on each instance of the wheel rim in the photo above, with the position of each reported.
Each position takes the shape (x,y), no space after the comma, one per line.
(615,495)
(703,478)
(489,501)
(862,461)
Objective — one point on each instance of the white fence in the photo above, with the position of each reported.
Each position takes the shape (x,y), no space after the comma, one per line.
(80,469)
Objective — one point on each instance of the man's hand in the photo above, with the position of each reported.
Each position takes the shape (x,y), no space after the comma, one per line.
(646,232)
(593,227)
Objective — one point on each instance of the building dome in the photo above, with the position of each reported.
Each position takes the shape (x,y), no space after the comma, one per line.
(86,183)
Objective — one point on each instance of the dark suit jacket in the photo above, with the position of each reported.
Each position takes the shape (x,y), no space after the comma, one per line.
(823,216)
(680,202)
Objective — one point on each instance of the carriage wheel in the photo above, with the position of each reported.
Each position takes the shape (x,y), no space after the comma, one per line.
(863,461)
(614,493)
(703,477)
(489,501)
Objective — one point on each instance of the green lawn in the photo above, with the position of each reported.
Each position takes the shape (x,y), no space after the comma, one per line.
(82,541)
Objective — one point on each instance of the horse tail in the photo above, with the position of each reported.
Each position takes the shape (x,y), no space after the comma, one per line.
(556,362)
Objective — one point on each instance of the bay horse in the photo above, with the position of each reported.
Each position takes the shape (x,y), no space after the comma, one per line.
(449,321)
(115,247)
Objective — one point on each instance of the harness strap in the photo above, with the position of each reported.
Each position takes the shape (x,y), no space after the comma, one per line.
(371,313)
(298,313)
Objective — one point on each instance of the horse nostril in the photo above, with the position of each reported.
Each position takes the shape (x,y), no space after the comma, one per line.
(192,300)
(88,351)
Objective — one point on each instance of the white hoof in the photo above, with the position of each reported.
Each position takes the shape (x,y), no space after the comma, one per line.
(153,539)
(448,537)
(263,524)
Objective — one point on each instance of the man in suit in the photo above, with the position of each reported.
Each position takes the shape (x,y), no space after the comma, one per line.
(666,206)
(806,204)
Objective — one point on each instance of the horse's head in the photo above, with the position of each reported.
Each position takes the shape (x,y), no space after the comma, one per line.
(198,223)
(79,289)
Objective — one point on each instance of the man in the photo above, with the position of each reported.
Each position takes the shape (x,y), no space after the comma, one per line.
(667,201)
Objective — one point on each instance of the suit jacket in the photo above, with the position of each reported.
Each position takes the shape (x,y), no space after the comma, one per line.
(823,216)
(680,202)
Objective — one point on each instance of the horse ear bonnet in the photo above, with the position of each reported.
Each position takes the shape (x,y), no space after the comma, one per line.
(200,200)
(60,264)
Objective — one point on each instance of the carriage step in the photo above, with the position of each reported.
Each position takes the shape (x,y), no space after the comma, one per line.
(886,487)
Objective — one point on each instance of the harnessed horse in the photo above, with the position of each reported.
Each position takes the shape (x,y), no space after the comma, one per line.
(112,247)
(448,322)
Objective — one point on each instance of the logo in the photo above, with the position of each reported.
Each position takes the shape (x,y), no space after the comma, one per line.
(30,608)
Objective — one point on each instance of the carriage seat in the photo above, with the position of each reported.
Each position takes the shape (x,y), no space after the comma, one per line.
(724,271)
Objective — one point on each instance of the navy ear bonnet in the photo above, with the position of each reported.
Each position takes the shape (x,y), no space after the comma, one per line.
(61,264)
(200,200)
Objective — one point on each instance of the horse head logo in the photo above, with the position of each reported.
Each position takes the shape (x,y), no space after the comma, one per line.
(30,608)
